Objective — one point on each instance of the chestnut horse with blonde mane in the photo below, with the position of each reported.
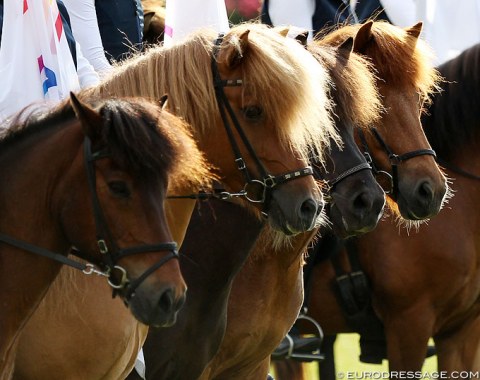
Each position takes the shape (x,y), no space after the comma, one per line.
(426,284)
(256,324)
(276,94)
(90,178)
(359,201)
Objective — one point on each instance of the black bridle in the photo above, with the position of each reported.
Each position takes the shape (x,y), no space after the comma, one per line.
(268,181)
(109,250)
(393,158)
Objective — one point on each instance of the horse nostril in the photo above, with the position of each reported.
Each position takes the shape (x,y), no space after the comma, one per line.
(308,209)
(425,191)
(362,202)
(166,301)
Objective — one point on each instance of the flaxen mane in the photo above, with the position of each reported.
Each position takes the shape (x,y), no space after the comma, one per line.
(276,72)
(409,63)
(357,102)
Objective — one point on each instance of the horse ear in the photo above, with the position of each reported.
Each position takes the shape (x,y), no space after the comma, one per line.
(163,101)
(283,31)
(234,53)
(89,118)
(363,37)
(415,30)
(302,37)
(346,48)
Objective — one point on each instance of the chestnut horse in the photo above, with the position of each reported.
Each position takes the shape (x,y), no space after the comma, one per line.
(256,324)
(427,284)
(262,109)
(201,325)
(89,178)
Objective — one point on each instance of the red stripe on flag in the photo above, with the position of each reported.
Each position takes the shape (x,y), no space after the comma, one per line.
(25,6)
(59,26)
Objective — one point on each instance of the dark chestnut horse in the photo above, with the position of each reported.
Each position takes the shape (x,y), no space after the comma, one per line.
(261,311)
(256,103)
(201,326)
(90,178)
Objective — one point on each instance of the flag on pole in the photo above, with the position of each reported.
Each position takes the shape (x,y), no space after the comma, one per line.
(35,60)
(184,16)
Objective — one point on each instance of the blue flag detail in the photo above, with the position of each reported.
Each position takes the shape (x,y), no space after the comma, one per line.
(51,80)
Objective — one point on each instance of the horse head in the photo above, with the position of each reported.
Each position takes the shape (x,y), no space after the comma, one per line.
(356,198)
(125,188)
(406,79)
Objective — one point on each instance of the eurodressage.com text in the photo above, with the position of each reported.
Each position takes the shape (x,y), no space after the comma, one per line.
(373,375)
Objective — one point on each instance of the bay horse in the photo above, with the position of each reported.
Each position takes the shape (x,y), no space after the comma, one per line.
(90,177)
(257,324)
(274,94)
(201,325)
(438,263)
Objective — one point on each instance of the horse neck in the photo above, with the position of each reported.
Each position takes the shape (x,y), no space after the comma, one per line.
(29,177)
(283,250)
(179,212)
(32,173)
(228,232)
(217,242)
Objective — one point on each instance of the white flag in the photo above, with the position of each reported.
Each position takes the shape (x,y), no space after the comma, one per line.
(35,60)
(185,16)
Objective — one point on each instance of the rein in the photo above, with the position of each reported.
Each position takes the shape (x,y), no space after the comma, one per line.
(103,235)
(394,159)
(456,169)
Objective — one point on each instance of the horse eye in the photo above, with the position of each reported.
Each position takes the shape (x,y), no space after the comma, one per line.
(119,188)
(253,113)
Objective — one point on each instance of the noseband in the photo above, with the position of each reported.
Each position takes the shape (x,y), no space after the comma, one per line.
(106,245)
(394,159)
(347,173)
(268,182)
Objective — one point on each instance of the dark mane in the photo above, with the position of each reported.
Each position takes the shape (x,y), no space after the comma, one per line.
(134,139)
(454,117)
(130,130)
(32,120)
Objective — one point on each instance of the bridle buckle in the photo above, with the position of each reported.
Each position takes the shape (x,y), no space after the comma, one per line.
(270,182)
(102,246)
(123,280)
